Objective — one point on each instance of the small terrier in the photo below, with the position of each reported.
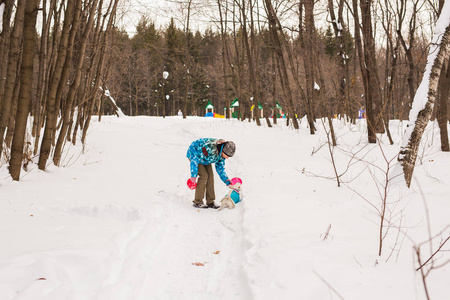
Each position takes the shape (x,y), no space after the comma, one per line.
(233,197)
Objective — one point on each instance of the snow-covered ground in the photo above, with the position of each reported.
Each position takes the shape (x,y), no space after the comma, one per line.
(117,222)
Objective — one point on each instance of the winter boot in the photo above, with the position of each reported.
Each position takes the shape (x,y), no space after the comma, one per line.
(213,205)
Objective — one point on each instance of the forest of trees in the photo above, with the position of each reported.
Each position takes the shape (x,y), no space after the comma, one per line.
(63,61)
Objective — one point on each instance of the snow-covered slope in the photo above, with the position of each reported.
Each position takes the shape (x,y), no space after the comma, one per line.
(117,221)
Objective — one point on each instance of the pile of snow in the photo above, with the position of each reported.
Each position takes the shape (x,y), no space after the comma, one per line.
(117,221)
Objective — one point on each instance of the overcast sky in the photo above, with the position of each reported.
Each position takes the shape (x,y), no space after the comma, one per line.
(161,11)
(156,10)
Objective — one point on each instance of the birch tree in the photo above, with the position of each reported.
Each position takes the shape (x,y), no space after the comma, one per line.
(424,99)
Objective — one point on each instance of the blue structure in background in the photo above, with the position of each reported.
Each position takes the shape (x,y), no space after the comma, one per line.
(209,110)
(362,113)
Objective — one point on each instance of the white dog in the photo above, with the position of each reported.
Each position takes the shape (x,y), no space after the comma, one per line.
(232,197)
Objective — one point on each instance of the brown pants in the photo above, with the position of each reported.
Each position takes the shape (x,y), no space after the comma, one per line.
(205,182)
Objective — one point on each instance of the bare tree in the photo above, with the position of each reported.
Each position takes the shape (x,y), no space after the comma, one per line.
(409,48)
(341,56)
(237,67)
(187,57)
(105,33)
(26,82)
(370,73)
(11,71)
(223,32)
(44,59)
(425,267)
(5,44)
(250,60)
(308,36)
(275,31)
(328,110)
(52,109)
(76,82)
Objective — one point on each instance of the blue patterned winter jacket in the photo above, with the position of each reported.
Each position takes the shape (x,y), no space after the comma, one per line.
(204,151)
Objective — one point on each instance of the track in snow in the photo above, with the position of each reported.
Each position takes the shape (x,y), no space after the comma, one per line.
(179,252)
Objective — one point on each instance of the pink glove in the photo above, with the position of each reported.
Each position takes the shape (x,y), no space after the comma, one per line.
(192,183)
(229,184)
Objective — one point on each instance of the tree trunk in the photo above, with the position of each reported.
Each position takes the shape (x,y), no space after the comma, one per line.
(26,82)
(294,70)
(255,41)
(370,129)
(164,98)
(274,83)
(5,35)
(11,72)
(442,111)
(238,63)
(12,115)
(390,70)
(52,110)
(444,86)
(373,98)
(308,59)
(254,94)
(323,92)
(43,74)
(224,58)
(74,86)
(282,64)
(100,67)
(340,58)
(412,84)
(428,87)
(187,57)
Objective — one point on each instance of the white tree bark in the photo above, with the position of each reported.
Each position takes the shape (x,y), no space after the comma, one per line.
(425,96)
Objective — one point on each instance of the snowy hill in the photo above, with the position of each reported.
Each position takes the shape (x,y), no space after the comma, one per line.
(117,222)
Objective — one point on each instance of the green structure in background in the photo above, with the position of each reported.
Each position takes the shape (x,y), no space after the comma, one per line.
(236,114)
(233,110)
(280,112)
(209,110)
